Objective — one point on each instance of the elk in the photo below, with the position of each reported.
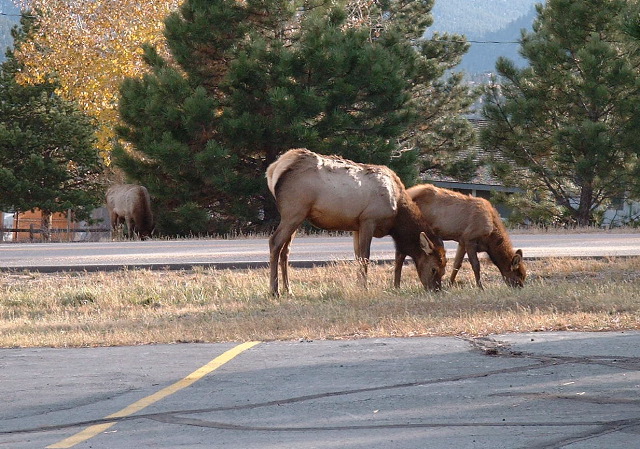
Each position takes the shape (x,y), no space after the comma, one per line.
(130,203)
(476,226)
(341,195)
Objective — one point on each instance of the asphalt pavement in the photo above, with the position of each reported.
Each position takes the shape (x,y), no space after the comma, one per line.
(534,390)
(254,252)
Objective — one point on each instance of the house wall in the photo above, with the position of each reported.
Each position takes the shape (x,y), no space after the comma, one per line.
(100,230)
(621,214)
(26,220)
(68,230)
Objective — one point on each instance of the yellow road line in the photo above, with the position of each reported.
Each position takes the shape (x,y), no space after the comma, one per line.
(198,374)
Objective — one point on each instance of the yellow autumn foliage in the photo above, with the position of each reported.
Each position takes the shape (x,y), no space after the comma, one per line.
(91,46)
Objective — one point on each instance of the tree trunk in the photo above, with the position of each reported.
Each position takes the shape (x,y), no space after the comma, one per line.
(583,213)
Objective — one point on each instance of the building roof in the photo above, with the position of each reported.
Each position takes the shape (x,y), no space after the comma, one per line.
(483,179)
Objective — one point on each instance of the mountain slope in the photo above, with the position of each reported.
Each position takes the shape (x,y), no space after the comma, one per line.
(475,18)
(482,56)
(8,18)
(484,22)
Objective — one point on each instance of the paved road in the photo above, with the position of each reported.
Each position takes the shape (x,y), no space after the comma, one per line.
(538,390)
(255,252)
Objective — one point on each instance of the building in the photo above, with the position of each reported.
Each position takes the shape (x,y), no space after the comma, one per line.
(27,227)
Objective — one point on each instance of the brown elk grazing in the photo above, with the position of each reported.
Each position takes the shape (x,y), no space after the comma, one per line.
(476,226)
(338,194)
(130,204)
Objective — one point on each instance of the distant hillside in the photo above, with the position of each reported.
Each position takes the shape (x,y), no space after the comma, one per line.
(485,21)
(8,18)
(475,18)
(482,57)
(5,34)
(8,7)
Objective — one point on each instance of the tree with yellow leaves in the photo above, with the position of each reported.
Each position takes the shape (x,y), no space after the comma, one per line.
(91,46)
(48,158)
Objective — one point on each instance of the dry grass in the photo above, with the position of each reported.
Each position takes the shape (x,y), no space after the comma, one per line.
(139,307)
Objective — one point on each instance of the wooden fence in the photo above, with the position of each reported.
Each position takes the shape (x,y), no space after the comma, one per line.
(27,227)
(34,233)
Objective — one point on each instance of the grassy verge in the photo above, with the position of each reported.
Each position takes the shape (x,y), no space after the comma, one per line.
(140,307)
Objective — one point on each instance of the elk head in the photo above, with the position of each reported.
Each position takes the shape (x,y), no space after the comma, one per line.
(430,263)
(516,272)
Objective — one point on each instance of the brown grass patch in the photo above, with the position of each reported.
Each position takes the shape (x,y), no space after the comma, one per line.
(140,307)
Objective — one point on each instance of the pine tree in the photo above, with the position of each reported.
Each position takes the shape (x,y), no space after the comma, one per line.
(253,79)
(91,45)
(48,158)
(568,120)
(440,97)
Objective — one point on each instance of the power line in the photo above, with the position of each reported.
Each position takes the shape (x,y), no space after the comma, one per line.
(473,41)
(17,15)
(493,42)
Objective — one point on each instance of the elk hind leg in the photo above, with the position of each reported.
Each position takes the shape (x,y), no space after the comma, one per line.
(115,222)
(277,242)
(130,225)
(284,263)
(472,252)
(457,262)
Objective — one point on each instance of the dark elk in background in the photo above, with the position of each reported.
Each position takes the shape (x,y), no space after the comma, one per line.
(130,204)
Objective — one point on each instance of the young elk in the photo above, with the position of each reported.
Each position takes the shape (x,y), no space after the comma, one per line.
(338,194)
(475,225)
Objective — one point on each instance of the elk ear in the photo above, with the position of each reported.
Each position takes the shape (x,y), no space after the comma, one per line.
(426,244)
(517,259)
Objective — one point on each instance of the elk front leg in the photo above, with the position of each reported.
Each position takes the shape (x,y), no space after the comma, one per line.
(365,235)
(397,269)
